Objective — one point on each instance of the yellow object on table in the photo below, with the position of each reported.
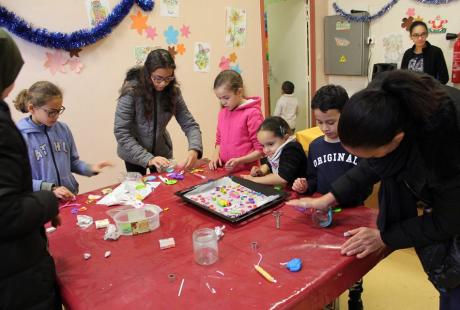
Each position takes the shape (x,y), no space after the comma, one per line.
(264,273)
(306,136)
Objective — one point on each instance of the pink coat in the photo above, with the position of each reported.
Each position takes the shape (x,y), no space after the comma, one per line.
(237,130)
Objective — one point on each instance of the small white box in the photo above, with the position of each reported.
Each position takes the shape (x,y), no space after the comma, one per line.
(102,223)
(167,243)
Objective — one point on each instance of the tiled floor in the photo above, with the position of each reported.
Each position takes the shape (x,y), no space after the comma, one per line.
(397,282)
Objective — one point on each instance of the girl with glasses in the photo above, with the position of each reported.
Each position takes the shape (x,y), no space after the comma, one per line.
(52,151)
(424,57)
(149,98)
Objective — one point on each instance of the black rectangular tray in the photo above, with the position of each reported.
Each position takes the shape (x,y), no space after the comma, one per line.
(267,190)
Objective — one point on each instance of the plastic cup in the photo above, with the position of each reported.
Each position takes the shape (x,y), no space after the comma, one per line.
(131,180)
(205,248)
(172,163)
(322,218)
(133,176)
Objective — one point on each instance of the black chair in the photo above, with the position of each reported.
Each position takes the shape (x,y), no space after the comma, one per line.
(382,67)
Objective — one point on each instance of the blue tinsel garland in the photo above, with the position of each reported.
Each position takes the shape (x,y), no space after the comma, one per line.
(435,1)
(382,12)
(76,39)
(368,18)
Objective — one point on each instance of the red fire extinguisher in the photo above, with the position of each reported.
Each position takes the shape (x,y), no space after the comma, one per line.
(455,57)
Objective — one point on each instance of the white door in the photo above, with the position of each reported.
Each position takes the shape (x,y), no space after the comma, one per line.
(288,55)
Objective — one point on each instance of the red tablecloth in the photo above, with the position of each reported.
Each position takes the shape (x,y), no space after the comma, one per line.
(135,276)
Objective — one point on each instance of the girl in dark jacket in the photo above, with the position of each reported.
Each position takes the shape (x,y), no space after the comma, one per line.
(407,127)
(424,57)
(27,274)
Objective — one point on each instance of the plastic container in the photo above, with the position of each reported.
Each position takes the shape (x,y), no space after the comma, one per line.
(133,176)
(170,167)
(205,248)
(130,181)
(322,218)
(134,221)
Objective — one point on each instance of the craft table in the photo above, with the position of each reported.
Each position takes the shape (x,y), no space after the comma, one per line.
(135,276)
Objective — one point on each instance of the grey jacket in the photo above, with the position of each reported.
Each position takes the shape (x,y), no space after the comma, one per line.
(134,132)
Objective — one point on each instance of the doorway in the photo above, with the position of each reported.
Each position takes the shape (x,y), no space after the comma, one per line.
(287,44)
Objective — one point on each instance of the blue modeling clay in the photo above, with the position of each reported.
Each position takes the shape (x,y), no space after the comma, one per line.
(294,265)
(150,178)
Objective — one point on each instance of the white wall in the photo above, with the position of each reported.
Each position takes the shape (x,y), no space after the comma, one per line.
(90,97)
(390,23)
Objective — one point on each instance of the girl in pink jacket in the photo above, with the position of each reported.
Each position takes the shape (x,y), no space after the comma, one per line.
(239,119)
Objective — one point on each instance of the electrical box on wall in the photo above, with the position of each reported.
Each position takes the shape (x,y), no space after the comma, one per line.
(346,47)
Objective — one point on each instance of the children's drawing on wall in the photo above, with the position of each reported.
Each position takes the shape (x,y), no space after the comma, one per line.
(393,48)
(56,61)
(235,27)
(97,11)
(141,52)
(169,8)
(201,57)
(437,25)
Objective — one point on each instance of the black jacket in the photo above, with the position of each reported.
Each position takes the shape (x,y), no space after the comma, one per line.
(293,162)
(434,63)
(27,275)
(405,183)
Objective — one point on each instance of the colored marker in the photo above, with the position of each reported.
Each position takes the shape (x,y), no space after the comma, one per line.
(199,175)
(265,274)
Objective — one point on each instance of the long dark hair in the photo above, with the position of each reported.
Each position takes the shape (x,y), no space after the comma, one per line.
(403,101)
(138,81)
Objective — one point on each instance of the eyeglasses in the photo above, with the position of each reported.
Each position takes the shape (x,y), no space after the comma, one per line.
(159,79)
(419,35)
(54,112)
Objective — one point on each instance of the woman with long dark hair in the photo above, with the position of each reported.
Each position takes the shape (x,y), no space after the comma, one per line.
(424,57)
(149,98)
(407,127)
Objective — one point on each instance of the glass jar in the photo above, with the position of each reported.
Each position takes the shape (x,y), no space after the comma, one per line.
(205,247)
